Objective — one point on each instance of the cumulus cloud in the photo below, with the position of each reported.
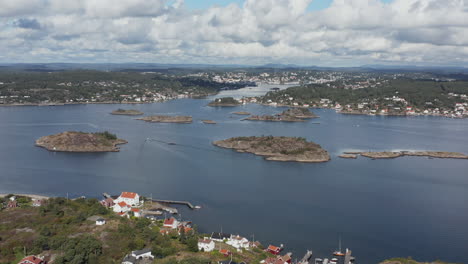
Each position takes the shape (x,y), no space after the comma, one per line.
(349,32)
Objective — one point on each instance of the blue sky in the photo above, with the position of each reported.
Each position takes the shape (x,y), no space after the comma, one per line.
(203,4)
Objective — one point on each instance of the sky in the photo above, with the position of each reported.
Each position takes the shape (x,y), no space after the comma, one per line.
(252,32)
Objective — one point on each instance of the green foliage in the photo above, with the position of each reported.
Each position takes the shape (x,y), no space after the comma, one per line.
(107,135)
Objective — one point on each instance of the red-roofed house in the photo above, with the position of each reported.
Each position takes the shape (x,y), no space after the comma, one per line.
(274,250)
(136,212)
(32,260)
(171,223)
(129,198)
(121,207)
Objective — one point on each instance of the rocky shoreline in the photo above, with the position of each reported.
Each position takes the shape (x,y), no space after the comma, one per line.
(396,154)
(167,119)
(72,141)
(277,148)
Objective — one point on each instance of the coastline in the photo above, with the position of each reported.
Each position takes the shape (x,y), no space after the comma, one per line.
(32,196)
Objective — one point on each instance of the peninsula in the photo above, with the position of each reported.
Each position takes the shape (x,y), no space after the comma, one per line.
(289,115)
(277,148)
(130,112)
(72,141)
(224,101)
(167,119)
(396,154)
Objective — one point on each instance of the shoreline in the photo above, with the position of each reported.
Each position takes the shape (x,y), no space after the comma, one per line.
(32,196)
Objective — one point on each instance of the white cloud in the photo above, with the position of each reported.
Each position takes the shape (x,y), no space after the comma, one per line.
(349,32)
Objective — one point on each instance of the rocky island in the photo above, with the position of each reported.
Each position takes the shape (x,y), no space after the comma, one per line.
(241,113)
(396,154)
(289,115)
(167,119)
(130,112)
(72,141)
(209,122)
(224,101)
(277,148)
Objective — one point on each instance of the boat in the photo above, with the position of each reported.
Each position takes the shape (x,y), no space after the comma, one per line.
(318,261)
(338,252)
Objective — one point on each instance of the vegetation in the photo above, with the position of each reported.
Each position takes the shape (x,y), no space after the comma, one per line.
(418,93)
(224,101)
(98,86)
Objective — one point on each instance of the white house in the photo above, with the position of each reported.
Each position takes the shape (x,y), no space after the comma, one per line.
(130,198)
(171,223)
(142,254)
(238,242)
(136,212)
(206,244)
(121,207)
(100,221)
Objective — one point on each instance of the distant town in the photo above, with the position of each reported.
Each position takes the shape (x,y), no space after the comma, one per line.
(348,92)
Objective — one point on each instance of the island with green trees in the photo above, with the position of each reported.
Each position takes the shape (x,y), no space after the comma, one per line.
(130,112)
(277,148)
(289,115)
(73,141)
(224,101)
(167,119)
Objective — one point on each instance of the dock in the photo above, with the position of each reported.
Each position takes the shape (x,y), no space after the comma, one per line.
(306,258)
(188,204)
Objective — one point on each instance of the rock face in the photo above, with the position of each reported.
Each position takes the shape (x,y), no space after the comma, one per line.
(396,154)
(130,112)
(225,101)
(289,115)
(167,119)
(81,142)
(277,148)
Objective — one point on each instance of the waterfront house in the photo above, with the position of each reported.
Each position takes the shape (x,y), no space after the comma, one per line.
(130,198)
(100,221)
(32,260)
(238,242)
(136,212)
(143,254)
(121,207)
(206,245)
(108,202)
(274,249)
(220,237)
(171,223)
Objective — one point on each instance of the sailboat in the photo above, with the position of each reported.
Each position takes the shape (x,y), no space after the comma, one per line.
(338,252)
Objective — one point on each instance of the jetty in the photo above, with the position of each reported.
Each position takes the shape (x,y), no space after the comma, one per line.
(306,258)
(188,204)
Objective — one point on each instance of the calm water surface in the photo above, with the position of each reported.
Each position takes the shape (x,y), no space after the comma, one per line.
(381,208)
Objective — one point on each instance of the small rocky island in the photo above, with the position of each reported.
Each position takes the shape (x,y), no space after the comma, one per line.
(72,141)
(130,112)
(211,122)
(224,101)
(396,154)
(289,115)
(167,119)
(241,113)
(277,148)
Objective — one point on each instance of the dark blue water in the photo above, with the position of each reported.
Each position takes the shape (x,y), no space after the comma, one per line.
(381,208)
